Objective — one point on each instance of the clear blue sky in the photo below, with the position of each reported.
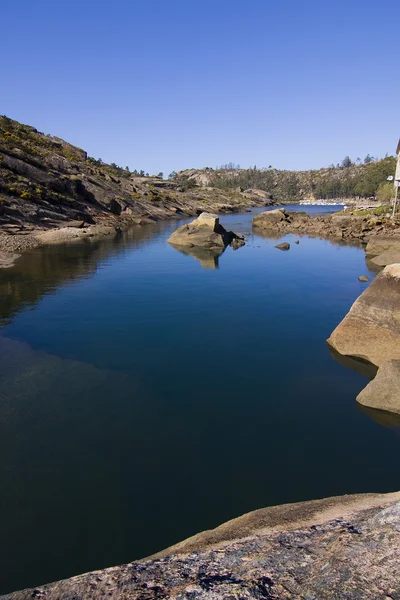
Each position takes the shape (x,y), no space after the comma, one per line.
(165,85)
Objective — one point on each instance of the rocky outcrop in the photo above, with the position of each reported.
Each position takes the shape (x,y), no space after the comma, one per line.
(270,218)
(204,232)
(344,548)
(371,329)
(383,250)
(336,226)
(383,392)
(46,182)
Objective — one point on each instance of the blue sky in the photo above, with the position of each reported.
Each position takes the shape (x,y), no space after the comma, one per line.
(163,86)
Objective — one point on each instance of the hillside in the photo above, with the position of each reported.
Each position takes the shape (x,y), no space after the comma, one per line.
(346,182)
(46,182)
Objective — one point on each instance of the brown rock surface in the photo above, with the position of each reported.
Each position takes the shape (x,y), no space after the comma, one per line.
(371,329)
(383,392)
(383,250)
(336,226)
(344,548)
(204,232)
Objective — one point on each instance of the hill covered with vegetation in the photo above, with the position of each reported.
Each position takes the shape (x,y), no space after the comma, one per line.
(345,181)
(46,182)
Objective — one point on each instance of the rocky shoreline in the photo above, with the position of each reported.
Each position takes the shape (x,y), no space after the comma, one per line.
(340,226)
(344,548)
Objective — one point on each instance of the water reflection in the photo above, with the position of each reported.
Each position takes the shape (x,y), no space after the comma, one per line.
(273,234)
(364,368)
(43,270)
(384,418)
(209,259)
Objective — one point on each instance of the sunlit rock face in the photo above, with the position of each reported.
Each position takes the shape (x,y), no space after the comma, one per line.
(345,547)
(204,232)
(371,329)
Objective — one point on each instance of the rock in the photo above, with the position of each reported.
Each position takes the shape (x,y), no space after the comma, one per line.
(383,250)
(297,242)
(379,244)
(204,232)
(269,218)
(383,392)
(363,278)
(283,246)
(345,548)
(237,243)
(116,207)
(77,224)
(371,329)
(386,258)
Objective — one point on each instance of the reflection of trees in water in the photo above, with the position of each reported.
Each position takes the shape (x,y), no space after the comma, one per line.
(43,270)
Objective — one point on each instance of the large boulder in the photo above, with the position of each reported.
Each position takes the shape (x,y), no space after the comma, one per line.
(383,392)
(270,218)
(383,250)
(371,329)
(204,232)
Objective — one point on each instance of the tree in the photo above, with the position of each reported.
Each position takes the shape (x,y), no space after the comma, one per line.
(172,175)
(347,162)
(368,159)
(127,169)
(385,192)
(161,174)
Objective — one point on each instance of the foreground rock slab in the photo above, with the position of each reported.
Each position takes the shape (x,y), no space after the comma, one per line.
(371,329)
(344,548)
(205,232)
(383,392)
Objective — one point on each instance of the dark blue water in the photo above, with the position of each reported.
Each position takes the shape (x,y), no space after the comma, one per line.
(146,395)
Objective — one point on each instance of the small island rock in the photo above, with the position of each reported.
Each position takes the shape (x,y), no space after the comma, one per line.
(204,232)
(283,246)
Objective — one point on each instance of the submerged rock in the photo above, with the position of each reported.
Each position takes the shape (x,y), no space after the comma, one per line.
(363,278)
(338,548)
(283,246)
(371,329)
(204,232)
(383,392)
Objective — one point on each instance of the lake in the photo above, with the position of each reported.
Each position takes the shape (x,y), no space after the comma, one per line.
(147,394)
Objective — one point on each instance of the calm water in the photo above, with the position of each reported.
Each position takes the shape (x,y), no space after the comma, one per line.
(145,395)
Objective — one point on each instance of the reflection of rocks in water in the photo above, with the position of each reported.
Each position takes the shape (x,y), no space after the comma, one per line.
(42,270)
(362,367)
(270,234)
(372,266)
(384,418)
(209,259)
